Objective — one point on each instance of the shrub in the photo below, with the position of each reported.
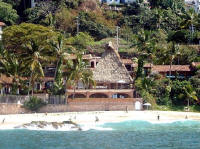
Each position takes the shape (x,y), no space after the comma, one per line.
(34,103)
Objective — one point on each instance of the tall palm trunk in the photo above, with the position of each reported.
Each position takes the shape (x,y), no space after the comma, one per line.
(29,86)
(32,92)
(55,74)
(170,68)
(65,89)
(74,91)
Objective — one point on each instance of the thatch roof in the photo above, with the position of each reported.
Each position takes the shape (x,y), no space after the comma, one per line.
(110,68)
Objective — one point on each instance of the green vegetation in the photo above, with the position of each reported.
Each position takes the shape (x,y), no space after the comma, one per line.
(34,103)
(8,14)
(161,32)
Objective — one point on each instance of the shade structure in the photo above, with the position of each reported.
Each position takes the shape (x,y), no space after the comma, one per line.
(147,104)
(121,81)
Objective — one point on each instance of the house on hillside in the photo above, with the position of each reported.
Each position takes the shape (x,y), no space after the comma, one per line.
(111,76)
(35,2)
(1,29)
(117,2)
(179,71)
(195,4)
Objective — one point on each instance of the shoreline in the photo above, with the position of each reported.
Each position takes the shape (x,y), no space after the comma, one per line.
(90,118)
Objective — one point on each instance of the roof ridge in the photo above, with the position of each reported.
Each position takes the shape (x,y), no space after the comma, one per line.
(109,47)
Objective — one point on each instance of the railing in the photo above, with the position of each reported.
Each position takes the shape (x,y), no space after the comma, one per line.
(20,99)
(57,99)
(13,99)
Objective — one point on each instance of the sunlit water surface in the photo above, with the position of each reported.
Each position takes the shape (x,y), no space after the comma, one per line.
(123,135)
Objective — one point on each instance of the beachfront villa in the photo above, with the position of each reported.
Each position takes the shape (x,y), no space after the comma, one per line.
(114,76)
(111,76)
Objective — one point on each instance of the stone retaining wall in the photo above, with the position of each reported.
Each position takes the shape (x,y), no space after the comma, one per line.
(77,105)
(9,108)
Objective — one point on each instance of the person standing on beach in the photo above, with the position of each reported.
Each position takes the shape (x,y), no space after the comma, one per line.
(96,119)
(3,120)
(158,117)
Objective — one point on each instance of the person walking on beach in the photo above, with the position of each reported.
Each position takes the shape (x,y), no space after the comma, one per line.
(3,120)
(126,109)
(158,117)
(96,119)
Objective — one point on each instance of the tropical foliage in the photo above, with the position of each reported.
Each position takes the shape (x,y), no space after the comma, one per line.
(8,14)
(34,104)
(158,32)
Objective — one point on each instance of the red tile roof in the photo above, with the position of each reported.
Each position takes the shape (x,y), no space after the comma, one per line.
(197,63)
(148,65)
(166,68)
(87,56)
(127,61)
(6,80)
(2,24)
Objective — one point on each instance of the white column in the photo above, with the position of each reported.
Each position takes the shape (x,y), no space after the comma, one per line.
(1,32)
(32,3)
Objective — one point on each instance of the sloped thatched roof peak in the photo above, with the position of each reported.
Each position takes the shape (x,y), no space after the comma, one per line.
(110,45)
(110,68)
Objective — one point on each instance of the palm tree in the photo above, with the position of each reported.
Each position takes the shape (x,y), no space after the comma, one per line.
(145,43)
(88,79)
(171,54)
(12,67)
(191,94)
(190,20)
(78,72)
(32,57)
(61,55)
(158,17)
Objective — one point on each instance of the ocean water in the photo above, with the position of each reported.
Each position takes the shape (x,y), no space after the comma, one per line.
(123,135)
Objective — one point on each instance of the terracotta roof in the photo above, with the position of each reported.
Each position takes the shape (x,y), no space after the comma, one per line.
(196,63)
(166,68)
(87,57)
(127,61)
(148,65)
(2,24)
(46,79)
(5,80)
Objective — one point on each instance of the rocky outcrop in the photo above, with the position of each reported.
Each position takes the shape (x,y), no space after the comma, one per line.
(65,125)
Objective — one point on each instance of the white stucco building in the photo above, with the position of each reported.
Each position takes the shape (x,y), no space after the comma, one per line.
(1,29)
(109,2)
(193,4)
(34,2)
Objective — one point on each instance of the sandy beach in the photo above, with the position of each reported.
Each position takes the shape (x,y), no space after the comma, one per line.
(11,121)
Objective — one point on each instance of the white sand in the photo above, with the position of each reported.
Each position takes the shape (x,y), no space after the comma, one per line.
(11,121)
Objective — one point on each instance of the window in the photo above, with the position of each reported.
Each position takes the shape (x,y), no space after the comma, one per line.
(92,64)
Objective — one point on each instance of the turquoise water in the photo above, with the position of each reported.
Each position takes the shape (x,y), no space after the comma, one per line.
(125,135)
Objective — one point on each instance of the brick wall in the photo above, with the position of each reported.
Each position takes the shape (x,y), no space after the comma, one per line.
(77,105)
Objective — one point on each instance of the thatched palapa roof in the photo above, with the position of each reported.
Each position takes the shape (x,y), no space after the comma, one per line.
(110,68)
